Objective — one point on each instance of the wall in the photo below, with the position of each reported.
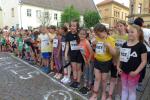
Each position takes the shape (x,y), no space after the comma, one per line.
(7,13)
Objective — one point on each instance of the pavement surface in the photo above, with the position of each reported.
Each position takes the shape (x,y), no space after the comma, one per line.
(21,81)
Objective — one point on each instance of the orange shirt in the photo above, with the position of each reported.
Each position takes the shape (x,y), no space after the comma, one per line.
(83,46)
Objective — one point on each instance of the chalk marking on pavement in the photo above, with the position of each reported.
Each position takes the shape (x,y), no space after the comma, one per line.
(50,78)
(65,94)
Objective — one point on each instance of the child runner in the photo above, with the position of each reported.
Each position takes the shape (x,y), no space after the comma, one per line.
(87,53)
(74,54)
(133,58)
(20,45)
(45,49)
(105,49)
(57,55)
(120,38)
(65,64)
(146,32)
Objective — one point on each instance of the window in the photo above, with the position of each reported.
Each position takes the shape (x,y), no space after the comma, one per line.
(12,12)
(29,12)
(118,14)
(46,14)
(132,9)
(114,13)
(122,15)
(55,16)
(139,8)
(38,13)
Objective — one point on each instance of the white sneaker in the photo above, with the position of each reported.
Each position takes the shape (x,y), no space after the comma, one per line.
(63,79)
(67,80)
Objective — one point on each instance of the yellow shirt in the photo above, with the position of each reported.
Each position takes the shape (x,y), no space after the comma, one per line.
(101,52)
(52,36)
(120,39)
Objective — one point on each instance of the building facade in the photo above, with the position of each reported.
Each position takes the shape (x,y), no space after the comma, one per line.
(33,13)
(112,11)
(140,8)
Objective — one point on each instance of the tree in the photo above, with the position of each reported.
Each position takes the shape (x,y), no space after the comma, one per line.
(70,13)
(91,18)
(44,18)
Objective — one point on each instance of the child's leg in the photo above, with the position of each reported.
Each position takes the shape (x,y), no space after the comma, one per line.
(79,72)
(132,83)
(104,84)
(125,88)
(86,74)
(96,84)
(90,75)
(74,69)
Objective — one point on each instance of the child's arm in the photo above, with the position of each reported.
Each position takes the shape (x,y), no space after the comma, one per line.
(91,52)
(112,49)
(141,66)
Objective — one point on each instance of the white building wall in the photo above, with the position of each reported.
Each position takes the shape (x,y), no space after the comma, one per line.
(7,5)
(33,20)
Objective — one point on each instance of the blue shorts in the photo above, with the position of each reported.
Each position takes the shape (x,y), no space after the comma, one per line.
(46,55)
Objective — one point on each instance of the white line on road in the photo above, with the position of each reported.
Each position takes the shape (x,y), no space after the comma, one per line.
(84,98)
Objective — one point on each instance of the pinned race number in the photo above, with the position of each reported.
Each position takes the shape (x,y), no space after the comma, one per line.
(63,46)
(119,43)
(125,54)
(100,48)
(73,45)
(55,43)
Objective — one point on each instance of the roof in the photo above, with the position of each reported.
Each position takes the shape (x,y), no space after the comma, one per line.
(80,5)
(111,1)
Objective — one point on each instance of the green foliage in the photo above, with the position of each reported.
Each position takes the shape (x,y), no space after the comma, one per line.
(91,18)
(70,13)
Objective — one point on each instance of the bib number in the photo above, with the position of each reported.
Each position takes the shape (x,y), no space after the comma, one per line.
(125,54)
(100,48)
(73,45)
(63,46)
(55,43)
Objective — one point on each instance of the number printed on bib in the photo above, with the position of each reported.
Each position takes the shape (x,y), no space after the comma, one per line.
(55,43)
(20,43)
(100,48)
(125,54)
(63,46)
(73,45)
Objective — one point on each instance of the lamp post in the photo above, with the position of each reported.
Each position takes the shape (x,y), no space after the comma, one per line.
(20,3)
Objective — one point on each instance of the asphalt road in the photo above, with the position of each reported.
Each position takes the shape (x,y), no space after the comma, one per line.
(21,81)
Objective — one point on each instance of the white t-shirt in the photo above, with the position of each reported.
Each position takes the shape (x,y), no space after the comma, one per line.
(45,42)
(146,32)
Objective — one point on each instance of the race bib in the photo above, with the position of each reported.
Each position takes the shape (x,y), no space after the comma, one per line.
(26,46)
(82,51)
(55,43)
(73,45)
(100,48)
(63,46)
(20,43)
(119,43)
(45,43)
(125,54)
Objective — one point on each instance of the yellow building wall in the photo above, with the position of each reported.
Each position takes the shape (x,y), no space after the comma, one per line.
(107,13)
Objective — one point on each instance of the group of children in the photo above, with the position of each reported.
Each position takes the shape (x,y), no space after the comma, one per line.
(77,54)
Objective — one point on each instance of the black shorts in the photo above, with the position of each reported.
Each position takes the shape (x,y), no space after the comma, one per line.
(113,71)
(76,56)
(104,67)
